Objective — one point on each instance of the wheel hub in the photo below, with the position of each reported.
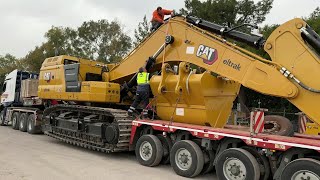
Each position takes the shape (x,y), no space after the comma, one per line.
(183,159)
(271,126)
(145,151)
(234,169)
(305,175)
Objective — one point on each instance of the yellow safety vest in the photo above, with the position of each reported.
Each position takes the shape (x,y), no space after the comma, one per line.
(143,78)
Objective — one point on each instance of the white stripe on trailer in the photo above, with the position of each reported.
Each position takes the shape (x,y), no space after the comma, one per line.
(235,136)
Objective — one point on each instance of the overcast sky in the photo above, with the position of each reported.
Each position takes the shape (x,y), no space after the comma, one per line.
(24,22)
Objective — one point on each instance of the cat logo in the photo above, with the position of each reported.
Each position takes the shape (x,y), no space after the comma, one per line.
(208,54)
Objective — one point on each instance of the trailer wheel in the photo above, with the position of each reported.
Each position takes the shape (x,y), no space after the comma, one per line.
(15,120)
(31,128)
(149,150)
(209,166)
(278,125)
(23,122)
(208,155)
(237,164)
(304,168)
(167,146)
(262,161)
(186,158)
(1,118)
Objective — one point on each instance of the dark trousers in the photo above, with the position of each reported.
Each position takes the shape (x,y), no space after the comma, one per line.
(155,25)
(142,97)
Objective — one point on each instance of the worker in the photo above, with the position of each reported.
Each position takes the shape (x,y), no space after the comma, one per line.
(142,94)
(158,16)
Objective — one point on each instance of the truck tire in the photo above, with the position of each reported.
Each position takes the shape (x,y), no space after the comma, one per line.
(23,122)
(304,168)
(31,128)
(209,166)
(1,118)
(278,125)
(167,146)
(15,120)
(262,161)
(186,158)
(149,150)
(236,163)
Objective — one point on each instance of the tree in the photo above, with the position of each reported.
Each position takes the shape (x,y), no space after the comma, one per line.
(103,40)
(234,12)
(314,20)
(141,32)
(8,63)
(97,40)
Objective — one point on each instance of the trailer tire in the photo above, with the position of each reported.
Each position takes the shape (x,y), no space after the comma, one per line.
(278,125)
(15,120)
(149,150)
(2,118)
(210,154)
(209,166)
(191,153)
(23,122)
(262,161)
(301,169)
(167,146)
(31,128)
(236,163)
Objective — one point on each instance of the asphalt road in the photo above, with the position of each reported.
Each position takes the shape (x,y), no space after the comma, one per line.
(38,157)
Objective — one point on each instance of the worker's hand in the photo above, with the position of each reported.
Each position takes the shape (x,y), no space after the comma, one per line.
(173,13)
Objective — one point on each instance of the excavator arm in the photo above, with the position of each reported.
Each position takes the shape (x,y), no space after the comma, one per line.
(292,74)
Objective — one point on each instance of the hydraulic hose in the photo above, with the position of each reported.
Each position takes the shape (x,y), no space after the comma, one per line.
(288,74)
(305,86)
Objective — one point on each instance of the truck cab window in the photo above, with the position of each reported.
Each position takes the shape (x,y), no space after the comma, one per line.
(4,86)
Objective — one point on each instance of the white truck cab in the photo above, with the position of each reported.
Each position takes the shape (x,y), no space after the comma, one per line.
(8,89)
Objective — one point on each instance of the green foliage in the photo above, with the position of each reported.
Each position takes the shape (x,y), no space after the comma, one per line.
(97,40)
(141,32)
(8,63)
(314,20)
(102,40)
(234,12)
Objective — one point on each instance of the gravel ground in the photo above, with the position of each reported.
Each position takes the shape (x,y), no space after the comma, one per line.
(38,157)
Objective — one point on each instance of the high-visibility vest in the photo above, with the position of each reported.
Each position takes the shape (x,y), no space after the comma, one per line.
(143,78)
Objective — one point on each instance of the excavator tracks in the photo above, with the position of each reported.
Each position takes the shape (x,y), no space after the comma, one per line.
(70,124)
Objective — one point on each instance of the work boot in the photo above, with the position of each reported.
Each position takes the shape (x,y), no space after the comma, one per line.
(145,115)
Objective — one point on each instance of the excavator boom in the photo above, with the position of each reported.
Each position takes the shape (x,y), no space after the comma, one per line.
(288,50)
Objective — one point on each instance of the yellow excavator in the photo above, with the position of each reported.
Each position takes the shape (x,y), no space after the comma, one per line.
(198,70)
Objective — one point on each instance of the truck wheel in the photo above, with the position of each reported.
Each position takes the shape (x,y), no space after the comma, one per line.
(278,125)
(237,164)
(304,168)
(262,161)
(167,146)
(1,118)
(15,120)
(186,158)
(23,122)
(149,150)
(208,156)
(208,167)
(31,128)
